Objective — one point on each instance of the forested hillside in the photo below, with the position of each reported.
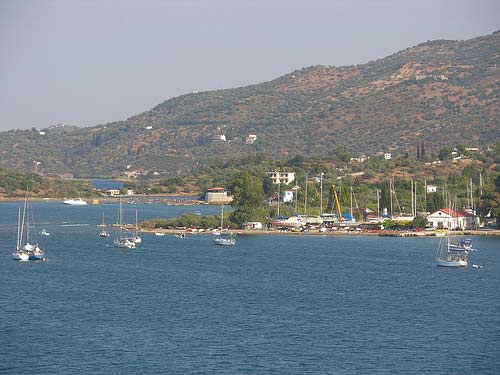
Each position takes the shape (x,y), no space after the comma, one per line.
(442,92)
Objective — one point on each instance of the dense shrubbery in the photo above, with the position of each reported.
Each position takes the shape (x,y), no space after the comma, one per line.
(14,184)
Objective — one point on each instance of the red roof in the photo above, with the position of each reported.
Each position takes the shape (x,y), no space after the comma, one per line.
(454,213)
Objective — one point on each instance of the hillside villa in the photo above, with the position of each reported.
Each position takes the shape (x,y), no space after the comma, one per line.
(281,177)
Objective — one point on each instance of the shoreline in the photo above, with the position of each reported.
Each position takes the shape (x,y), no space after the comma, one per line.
(242,232)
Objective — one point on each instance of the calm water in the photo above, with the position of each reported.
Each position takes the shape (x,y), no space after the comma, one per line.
(270,305)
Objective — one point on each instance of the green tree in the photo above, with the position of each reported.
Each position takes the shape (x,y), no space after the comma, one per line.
(445,153)
(248,196)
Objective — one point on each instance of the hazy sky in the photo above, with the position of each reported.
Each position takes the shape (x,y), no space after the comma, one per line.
(90,62)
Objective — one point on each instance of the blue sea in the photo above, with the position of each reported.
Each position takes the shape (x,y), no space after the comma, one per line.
(269,305)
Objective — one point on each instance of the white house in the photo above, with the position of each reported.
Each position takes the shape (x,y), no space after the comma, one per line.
(288,196)
(431,189)
(281,177)
(112,192)
(250,139)
(387,155)
(452,219)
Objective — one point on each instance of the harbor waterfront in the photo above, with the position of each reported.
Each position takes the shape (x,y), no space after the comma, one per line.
(280,303)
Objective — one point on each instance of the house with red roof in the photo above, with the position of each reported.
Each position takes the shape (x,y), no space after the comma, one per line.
(450,219)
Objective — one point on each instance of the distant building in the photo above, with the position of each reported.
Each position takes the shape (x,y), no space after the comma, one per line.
(130,192)
(452,219)
(431,189)
(281,177)
(288,196)
(387,155)
(250,139)
(219,138)
(217,195)
(67,176)
(360,158)
(112,192)
(132,174)
(252,225)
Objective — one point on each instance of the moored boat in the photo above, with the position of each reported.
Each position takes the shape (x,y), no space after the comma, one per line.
(75,202)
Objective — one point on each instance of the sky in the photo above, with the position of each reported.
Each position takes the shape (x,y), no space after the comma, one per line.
(96,61)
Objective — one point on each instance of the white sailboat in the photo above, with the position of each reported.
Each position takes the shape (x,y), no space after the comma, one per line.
(104,233)
(20,254)
(135,238)
(31,248)
(223,239)
(120,240)
(451,254)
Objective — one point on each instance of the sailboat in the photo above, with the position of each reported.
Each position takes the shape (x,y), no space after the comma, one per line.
(103,233)
(223,239)
(451,254)
(20,254)
(32,250)
(135,238)
(120,240)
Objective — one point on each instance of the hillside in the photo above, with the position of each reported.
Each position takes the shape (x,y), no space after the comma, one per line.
(14,183)
(443,92)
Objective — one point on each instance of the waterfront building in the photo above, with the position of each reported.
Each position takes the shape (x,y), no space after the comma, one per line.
(217,195)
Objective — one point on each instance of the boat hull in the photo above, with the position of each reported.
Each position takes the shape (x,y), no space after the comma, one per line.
(224,241)
(125,244)
(451,263)
(22,257)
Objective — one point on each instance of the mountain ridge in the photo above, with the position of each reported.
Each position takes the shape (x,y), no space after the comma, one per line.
(444,92)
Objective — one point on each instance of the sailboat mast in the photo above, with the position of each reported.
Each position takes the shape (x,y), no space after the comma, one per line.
(305,198)
(480,184)
(321,193)
(18,244)
(425,195)
(378,204)
(221,214)
(279,184)
(24,215)
(135,234)
(471,196)
(351,205)
(390,195)
(412,197)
